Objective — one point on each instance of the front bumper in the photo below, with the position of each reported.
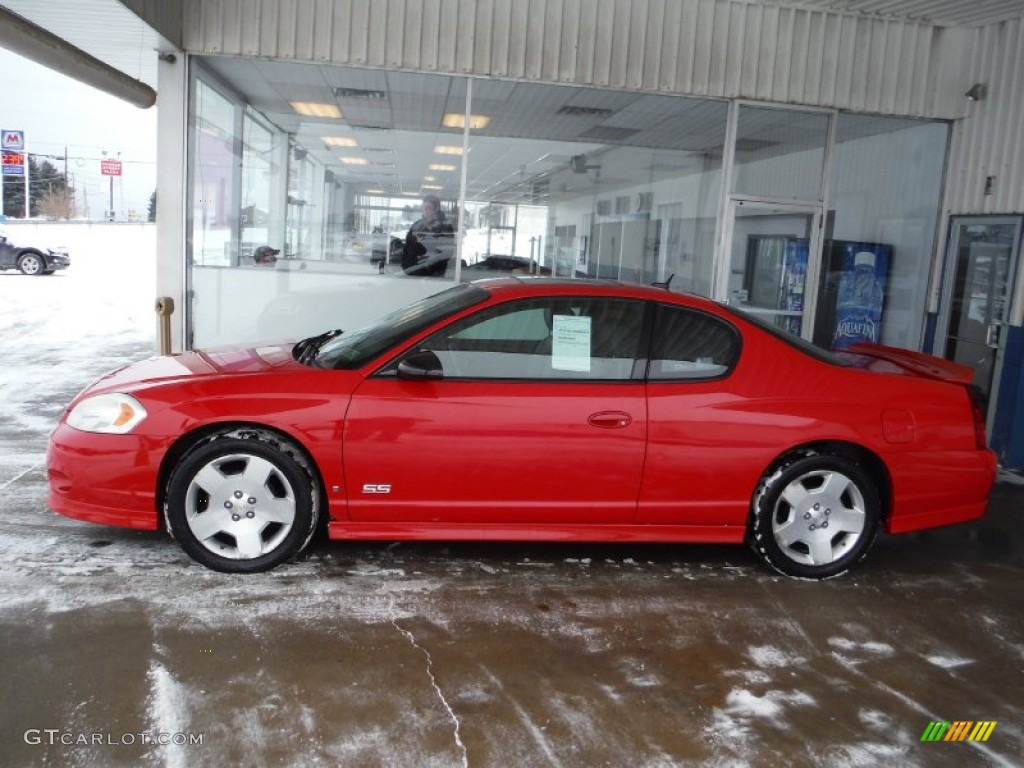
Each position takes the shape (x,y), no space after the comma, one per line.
(58,260)
(107,479)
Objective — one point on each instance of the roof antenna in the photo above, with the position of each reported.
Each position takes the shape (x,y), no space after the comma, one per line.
(665,283)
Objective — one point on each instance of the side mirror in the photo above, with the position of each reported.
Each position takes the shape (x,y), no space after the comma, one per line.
(420,366)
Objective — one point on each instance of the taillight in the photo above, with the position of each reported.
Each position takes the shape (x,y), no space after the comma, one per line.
(978,413)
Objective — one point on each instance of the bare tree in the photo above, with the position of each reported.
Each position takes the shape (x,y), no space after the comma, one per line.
(57,204)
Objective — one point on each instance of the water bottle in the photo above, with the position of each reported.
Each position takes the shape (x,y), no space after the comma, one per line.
(859,306)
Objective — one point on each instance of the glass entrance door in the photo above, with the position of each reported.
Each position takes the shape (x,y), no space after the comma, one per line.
(773,258)
(980,271)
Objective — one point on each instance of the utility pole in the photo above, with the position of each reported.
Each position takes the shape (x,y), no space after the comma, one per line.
(28,201)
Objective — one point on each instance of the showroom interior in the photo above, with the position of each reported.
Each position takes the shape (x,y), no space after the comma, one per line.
(749,151)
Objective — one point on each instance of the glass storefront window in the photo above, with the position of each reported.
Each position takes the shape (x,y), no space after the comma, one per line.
(560,180)
(215,211)
(605,184)
(883,210)
(261,213)
(780,153)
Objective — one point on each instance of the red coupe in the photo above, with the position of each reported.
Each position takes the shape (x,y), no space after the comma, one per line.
(531,409)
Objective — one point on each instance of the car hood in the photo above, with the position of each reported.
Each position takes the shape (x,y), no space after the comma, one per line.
(199,364)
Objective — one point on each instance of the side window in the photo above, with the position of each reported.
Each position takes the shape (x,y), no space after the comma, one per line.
(525,324)
(549,339)
(691,345)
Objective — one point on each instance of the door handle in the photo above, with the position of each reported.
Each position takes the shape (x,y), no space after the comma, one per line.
(610,419)
(992,336)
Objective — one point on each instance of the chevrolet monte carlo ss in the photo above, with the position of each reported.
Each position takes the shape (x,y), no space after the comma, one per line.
(531,409)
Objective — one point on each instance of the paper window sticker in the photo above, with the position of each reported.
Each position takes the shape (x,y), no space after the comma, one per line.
(570,347)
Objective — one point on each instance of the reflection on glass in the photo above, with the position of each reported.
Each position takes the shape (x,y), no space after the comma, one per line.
(561,181)
(261,211)
(214,215)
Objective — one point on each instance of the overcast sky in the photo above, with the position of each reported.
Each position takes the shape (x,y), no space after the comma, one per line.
(57,112)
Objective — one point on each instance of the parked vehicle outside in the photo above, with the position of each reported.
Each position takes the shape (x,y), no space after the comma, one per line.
(31,259)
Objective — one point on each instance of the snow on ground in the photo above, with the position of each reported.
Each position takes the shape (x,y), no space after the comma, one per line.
(457,654)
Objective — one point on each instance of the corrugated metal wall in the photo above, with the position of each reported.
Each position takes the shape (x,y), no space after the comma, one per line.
(990,141)
(704,47)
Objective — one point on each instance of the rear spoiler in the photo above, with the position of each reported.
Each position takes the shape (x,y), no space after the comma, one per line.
(917,362)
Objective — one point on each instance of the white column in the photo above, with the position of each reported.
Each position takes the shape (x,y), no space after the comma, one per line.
(171,190)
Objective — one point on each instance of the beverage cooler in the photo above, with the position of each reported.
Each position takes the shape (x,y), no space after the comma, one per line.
(851,295)
(775,278)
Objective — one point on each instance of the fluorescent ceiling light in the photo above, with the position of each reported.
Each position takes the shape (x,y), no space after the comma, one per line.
(375,191)
(432,186)
(353,160)
(441,167)
(447,149)
(339,141)
(430,178)
(314,109)
(458,120)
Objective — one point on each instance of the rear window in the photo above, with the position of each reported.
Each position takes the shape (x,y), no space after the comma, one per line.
(691,345)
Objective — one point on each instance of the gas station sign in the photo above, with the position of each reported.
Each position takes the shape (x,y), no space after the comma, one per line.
(13,140)
(14,164)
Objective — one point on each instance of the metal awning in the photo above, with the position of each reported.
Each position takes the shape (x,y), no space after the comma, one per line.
(99,42)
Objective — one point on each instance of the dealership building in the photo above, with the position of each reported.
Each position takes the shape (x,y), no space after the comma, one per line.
(757,152)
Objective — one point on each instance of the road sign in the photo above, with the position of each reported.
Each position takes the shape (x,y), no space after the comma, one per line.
(13,140)
(14,164)
(110,167)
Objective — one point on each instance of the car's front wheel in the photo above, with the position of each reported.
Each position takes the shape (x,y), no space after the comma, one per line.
(814,515)
(242,502)
(31,264)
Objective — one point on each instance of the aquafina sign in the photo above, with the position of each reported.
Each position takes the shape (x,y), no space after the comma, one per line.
(859,305)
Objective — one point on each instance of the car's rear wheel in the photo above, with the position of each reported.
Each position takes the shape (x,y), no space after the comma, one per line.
(242,502)
(31,264)
(814,515)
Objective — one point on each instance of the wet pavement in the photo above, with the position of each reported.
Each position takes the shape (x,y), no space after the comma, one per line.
(412,654)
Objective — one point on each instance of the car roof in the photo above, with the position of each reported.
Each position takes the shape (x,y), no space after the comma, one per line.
(507,287)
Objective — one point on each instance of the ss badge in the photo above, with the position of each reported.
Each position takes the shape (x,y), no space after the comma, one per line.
(377,488)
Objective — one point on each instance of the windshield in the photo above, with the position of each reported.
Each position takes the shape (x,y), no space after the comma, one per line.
(356,348)
(794,341)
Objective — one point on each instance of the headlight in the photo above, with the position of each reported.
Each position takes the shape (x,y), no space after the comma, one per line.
(115,414)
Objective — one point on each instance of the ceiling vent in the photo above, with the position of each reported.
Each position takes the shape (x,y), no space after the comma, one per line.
(572,111)
(360,93)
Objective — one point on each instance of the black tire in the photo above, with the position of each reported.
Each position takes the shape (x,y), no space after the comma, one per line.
(814,515)
(31,264)
(260,493)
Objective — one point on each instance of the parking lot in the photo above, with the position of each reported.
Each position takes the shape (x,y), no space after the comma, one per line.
(438,654)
